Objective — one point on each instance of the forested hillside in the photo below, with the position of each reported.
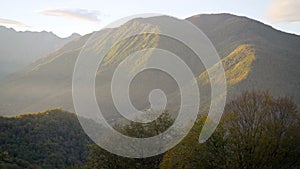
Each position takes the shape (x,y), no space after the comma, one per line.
(256,131)
(49,139)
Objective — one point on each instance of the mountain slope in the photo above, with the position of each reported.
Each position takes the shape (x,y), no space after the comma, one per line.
(255,56)
(18,49)
(276,54)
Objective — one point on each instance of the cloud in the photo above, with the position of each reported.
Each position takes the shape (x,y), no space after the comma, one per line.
(284,11)
(13,24)
(80,14)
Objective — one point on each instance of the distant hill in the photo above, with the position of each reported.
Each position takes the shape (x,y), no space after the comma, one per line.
(18,49)
(49,139)
(254,55)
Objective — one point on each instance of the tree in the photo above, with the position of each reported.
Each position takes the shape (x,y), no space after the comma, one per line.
(101,159)
(256,131)
(50,139)
(190,154)
(262,131)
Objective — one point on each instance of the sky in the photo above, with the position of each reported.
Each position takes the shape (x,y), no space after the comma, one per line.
(64,17)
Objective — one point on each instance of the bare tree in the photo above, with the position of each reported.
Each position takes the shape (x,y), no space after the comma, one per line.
(261,131)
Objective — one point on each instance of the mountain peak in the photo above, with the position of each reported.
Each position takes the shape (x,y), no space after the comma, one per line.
(74,36)
(215,14)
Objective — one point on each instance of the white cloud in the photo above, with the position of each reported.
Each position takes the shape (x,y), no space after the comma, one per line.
(284,11)
(13,24)
(81,14)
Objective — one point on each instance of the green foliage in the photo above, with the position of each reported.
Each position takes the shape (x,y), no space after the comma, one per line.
(190,154)
(51,139)
(99,158)
(102,159)
(257,131)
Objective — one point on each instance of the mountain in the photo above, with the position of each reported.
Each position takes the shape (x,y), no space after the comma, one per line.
(254,56)
(18,49)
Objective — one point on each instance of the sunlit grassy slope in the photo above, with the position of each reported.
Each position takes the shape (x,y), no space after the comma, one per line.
(237,65)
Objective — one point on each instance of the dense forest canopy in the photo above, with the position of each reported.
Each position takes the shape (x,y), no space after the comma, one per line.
(256,131)
(50,139)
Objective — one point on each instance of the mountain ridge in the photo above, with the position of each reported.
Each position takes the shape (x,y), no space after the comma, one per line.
(30,45)
(274,67)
